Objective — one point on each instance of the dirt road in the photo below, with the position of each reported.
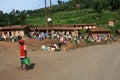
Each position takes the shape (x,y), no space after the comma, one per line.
(101,62)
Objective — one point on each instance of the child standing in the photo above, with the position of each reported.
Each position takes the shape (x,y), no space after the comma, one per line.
(23,54)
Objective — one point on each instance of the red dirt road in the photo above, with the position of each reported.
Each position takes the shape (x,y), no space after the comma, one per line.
(100,62)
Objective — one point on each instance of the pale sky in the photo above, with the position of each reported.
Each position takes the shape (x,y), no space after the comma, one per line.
(9,5)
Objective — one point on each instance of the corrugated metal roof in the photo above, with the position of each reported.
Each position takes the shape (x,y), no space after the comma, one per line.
(13,27)
(99,30)
(56,28)
(90,24)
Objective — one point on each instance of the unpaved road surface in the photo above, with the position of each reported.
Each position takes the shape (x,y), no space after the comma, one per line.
(100,62)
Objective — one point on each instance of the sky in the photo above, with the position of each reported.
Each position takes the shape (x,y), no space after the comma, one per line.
(8,5)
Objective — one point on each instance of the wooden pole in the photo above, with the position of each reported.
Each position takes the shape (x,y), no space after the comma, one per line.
(46,16)
(51,12)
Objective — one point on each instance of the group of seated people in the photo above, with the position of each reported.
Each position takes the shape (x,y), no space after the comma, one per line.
(11,38)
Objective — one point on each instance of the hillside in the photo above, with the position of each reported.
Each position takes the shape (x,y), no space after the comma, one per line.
(77,11)
(70,12)
(76,17)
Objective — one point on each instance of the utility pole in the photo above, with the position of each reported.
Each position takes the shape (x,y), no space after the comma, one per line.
(51,13)
(50,8)
(46,16)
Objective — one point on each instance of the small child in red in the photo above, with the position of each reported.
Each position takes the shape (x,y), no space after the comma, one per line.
(23,53)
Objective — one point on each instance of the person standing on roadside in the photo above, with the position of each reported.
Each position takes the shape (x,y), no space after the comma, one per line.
(23,54)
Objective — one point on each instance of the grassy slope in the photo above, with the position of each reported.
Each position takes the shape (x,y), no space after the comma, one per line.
(75,17)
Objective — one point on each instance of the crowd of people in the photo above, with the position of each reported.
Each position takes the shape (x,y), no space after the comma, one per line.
(99,38)
(50,35)
(63,37)
(11,38)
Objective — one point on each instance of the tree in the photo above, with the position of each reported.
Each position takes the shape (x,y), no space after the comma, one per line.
(22,18)
(114,4)
(13,18)
(97,6)
(59,2)
(76,1)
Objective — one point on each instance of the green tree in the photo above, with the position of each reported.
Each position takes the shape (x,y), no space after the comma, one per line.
(76,1)
(60,2)
(3,19)
(22,18)
(114,4)
(97,6)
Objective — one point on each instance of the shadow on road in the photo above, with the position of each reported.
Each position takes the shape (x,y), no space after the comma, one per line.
(31,66)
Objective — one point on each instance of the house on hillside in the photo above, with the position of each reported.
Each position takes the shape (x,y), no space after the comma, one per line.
(55,28)
(12,30)
(111,23)
(65,28)
(85,26)
(96,32)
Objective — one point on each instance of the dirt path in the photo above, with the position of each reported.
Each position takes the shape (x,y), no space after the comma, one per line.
(101,62)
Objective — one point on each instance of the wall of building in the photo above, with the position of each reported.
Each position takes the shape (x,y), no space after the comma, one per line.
(111,23)
(12,33)
(94,35)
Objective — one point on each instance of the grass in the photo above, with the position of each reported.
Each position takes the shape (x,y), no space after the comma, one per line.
(75,17)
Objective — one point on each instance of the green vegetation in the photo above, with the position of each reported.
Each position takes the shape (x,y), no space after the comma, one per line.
(78,11)
(13,18)
(71,12)
(36,21)
(76,17)
(115,28)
